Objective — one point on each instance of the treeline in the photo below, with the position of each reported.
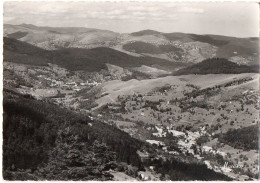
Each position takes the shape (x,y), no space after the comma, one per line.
(211,91)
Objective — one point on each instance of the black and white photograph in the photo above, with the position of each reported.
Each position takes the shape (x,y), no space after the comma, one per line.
(130,91)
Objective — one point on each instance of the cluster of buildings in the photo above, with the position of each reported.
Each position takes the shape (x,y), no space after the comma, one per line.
(65,85)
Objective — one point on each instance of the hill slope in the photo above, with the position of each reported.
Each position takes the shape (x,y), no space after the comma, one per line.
(51,38)
(41,129)
(96,58)
(226,47)
(216,66)
(53,143)
(24,53)
(77,58)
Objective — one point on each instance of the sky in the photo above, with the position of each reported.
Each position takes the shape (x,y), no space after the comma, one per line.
(228,18)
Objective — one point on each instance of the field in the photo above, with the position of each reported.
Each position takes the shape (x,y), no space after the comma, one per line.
(115,88)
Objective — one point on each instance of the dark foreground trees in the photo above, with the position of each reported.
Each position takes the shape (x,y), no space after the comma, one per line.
(49,142)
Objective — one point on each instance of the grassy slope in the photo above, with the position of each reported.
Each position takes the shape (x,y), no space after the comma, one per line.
(116,88)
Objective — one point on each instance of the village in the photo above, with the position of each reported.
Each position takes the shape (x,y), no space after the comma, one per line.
(48,81)
(193,118)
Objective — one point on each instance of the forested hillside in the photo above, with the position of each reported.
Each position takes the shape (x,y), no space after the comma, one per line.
(75,59)
(41,137)
(245,138)
(217,66)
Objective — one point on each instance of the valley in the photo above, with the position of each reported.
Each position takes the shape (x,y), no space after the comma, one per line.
(178,115)
(98,105)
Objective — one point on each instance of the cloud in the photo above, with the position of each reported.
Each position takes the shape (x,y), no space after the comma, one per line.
(115,12)
(8,19)
(51,8)
(142,8)
(157,14)
(133,16)
(190,10)
(87,10)
(139,13)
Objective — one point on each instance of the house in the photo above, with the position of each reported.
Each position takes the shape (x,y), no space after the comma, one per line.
(207,149)
(155,142)
(176,133)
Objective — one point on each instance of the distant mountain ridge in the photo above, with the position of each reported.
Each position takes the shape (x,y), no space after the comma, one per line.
(145,32)
(58,29)
(174,47)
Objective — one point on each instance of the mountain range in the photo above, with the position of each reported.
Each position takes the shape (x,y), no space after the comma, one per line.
(89,49)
